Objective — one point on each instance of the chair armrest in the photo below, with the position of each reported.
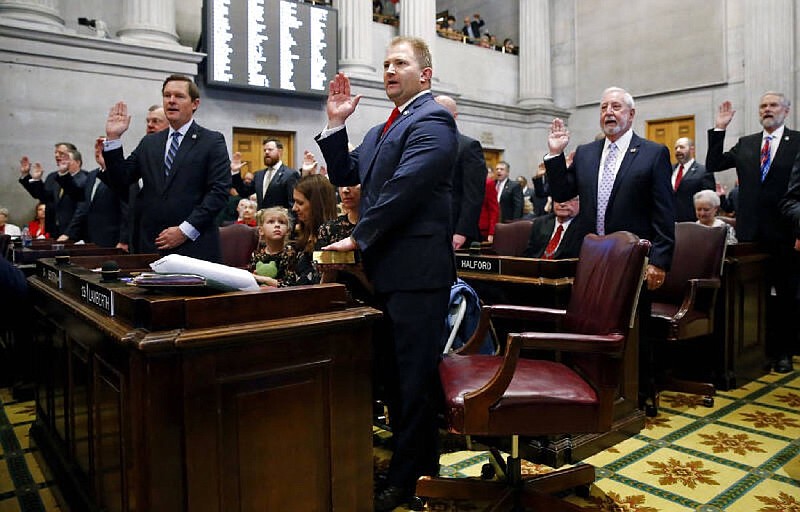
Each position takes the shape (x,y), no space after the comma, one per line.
(608,344)
(473,345)
(477,403)
(693,286)
(513,312)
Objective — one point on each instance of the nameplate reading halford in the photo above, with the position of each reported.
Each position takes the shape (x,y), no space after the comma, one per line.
(468,263)
(98,296)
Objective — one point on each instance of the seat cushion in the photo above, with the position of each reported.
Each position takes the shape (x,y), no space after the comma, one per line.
(536,383)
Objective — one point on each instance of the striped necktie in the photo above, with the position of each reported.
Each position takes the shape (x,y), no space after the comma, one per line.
(173,149)
(604,187)
(766,157)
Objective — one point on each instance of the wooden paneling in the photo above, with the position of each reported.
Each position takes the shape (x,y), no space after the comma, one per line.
(667,131)
(249,143)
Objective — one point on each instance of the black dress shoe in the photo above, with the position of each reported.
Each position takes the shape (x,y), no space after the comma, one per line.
(391,498)
(784,364)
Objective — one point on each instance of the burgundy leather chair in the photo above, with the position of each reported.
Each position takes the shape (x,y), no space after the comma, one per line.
(511,239)
(683,307)
(237,242)
(506,395)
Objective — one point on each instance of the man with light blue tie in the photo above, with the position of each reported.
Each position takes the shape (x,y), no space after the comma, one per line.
(185,174)
(763,163)
(624,182)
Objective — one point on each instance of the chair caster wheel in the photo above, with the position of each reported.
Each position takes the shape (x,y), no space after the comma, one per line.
(487,472)
(583,491)
(416,503)
(708,401)
(650,410)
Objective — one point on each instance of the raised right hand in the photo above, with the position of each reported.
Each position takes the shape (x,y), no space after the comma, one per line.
(558,138)
(37,171)
(24,166)
(724,115)
(118,121)
(340,103)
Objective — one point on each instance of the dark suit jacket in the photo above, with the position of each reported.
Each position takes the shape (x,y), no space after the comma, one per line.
(59,207)
(695,179)
(541,191)
(469,179)
(758,217)
(571,239)
(404,231)
(641,201)
(279,191)
(102,219)
(790,205)
(511,201)
(195,191)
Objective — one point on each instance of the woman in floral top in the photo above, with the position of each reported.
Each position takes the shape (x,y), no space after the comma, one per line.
(352,276)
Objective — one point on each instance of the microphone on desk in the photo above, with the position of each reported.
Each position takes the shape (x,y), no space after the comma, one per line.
(109,270)
(475,248)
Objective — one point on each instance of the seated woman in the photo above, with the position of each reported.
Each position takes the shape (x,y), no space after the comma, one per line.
(5,227)
(247,212)
(37,225)
(706,207)
(352,276)
(314,204)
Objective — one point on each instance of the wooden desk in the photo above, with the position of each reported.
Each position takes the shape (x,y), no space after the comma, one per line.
(44,249)
(547,283)
(204,401)
(740,318)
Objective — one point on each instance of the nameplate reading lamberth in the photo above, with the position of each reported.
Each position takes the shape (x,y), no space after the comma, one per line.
(468,263)
(98,296)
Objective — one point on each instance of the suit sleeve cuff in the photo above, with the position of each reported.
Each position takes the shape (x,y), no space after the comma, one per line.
(109,145)
(189,230)
(327,132)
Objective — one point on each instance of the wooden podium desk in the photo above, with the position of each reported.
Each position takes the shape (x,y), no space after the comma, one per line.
(740,321)
(202,401)
(547,283)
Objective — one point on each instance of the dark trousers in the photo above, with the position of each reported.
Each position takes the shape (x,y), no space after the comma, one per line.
(407,357)
(783,275)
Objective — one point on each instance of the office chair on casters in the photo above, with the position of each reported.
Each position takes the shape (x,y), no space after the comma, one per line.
(511,239)
(506,395)
(683,307)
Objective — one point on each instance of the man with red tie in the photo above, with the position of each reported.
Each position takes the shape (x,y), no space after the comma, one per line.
(405,235)
(763,163)
(688,178)
(558,235)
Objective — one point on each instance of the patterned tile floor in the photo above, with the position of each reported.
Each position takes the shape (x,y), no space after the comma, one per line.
(742,455)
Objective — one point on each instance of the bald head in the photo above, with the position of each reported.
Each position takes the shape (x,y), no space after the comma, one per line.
(448,103)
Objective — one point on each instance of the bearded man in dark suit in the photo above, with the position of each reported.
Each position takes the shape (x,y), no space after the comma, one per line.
(763,163)
(185,174)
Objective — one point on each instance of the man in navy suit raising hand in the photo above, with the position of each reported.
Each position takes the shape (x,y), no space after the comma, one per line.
(185,172)
(405,236)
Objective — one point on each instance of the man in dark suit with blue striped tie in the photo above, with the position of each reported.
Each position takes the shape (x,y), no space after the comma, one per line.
(763,163)
(185,174)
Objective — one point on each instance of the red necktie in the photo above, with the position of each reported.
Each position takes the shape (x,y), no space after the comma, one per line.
(765,157)
(394,115)
(553,244)
(679,177)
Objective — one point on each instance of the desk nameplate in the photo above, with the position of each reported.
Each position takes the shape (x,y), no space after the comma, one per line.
(98,296)
(50,276)
(477,264)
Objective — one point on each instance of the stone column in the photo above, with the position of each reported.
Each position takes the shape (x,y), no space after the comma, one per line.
(148,21)
(418,19)
(355,38)
(769,55)
(40,14)
(535,87)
